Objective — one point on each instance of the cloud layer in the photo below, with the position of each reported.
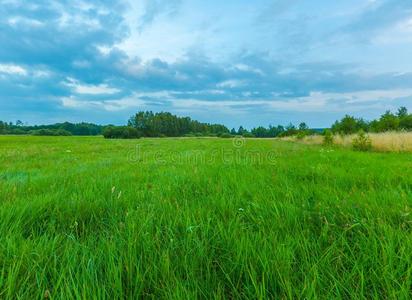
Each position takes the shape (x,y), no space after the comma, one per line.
(236,63)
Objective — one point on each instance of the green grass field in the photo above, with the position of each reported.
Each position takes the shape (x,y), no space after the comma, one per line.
(88,218)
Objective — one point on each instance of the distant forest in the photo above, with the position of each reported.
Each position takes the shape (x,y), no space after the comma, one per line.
(149,124)
(164,124)
(66,128)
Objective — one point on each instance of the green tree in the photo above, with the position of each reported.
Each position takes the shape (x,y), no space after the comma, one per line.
(402,112)
(260,132)
(405,119)
(3,127)
(275,131)
(166,124)
(388,122)
(406,122)
(303,126)
(349,125)
(290,130)
(241,131)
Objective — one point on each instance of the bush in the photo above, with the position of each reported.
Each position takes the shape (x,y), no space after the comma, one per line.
(121,132)
(406,122)
(362,142)
(226,135)
(50,132)
(16,131)
(248,135)
(62,132)
(328,138)
(301,135)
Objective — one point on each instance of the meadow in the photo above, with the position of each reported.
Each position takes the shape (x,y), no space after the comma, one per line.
(384,142)
(202,218)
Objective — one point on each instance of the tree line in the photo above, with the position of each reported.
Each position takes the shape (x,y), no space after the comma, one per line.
(165,124)
(401,120)
(62,129)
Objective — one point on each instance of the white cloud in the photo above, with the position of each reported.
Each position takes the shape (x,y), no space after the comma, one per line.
(106,105)
(95,89)
(246,68)
(102,89)
(22,21)
(13,69)
(41,73)
(232,83)
(78,20)
(315,102)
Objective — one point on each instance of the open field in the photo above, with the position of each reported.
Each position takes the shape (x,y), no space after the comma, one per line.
(87,218)
(388,141)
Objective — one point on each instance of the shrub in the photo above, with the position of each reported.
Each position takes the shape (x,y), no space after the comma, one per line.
(406,122)
(50,132)
(226,135)
(362,142)
(121,132)
(62,132)
(328,138)
(16,131)
(248,135)
(301,135)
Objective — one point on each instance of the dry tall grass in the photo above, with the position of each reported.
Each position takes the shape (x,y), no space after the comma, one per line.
(388,141)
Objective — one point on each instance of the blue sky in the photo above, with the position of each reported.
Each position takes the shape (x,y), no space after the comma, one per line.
(237,62)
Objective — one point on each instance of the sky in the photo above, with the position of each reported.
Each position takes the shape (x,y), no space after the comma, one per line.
(240,62)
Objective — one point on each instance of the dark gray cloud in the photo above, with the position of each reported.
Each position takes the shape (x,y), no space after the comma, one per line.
(63,60)
(64,36)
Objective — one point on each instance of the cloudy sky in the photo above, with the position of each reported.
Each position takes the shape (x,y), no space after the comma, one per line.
(235,62)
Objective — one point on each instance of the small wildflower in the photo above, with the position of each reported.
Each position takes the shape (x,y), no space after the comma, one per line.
(119,195)
(113,189)
(241,209)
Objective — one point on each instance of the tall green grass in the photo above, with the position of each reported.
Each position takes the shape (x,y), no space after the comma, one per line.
(88,218)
